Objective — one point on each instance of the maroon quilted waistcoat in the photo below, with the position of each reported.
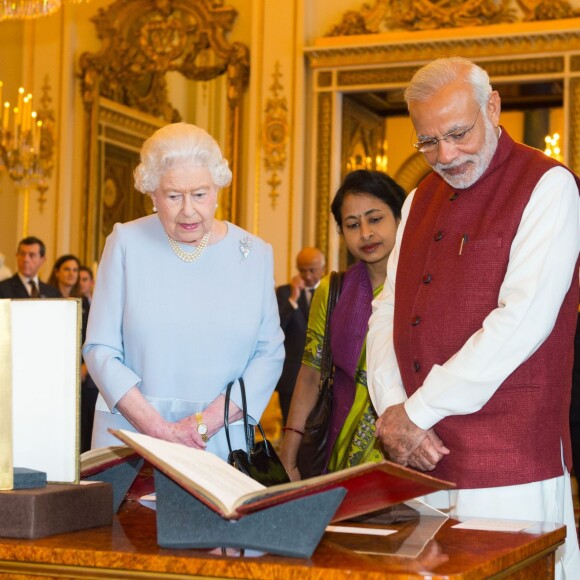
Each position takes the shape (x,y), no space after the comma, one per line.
(442,298)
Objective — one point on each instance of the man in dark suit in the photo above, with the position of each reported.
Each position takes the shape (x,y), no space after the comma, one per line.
(294,305)
(30,256)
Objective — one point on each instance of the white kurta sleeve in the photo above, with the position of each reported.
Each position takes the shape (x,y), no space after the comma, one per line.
(540,270)
(383,377)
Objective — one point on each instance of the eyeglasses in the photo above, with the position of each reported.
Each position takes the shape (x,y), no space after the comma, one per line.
(460,137)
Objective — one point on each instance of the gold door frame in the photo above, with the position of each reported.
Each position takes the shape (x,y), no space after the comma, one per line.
(518,52)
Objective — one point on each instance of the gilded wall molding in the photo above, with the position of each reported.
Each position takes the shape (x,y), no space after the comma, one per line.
(375,76)
(412,172)
(495,68)
(275,134)
(575,63)
(324,79)
(323,161)
(573,132)
(523,41)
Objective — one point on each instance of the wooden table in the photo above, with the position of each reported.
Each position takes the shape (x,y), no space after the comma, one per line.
(128,549)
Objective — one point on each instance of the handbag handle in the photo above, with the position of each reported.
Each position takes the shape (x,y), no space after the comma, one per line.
(333,295)
(248,429)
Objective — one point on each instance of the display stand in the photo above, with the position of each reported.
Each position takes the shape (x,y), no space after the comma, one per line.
(56,508)
(121,477)
(24,478)
(291,529)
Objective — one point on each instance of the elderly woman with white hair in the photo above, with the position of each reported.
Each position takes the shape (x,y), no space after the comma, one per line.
(184,303)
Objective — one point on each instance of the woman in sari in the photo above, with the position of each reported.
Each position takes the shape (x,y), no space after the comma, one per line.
(367,210)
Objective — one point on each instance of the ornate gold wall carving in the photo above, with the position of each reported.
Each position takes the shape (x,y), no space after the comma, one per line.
(573,131)
(437,14)
(575,63)
(403,74)
(275,134)
(323,158)
(142,40)
(324,79)
(376,76)
(528,66)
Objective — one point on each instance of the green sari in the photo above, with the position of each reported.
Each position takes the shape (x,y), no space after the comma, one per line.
(356,442)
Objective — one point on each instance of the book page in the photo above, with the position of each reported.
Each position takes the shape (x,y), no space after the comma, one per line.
(200,472)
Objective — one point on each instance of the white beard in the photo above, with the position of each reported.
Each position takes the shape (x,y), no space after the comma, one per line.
(478,162)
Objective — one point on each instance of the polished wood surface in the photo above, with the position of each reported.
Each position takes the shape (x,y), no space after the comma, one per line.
(128,549)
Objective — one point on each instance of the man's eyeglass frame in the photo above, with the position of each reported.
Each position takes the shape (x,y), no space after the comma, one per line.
(430,145)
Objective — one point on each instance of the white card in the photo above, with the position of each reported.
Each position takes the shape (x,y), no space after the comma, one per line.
(494,525)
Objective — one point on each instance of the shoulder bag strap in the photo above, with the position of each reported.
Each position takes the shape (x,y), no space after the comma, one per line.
(333,294)
(248,429)
(244,411)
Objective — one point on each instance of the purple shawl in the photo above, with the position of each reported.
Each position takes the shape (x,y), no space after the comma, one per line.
(348,330)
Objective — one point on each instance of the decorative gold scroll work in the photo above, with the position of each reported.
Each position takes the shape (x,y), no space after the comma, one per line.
(385,15)
(275,134)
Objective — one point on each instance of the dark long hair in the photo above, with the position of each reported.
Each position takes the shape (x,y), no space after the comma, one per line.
(53,280)
(375,183)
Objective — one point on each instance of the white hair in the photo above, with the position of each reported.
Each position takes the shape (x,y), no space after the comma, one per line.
(179,142)
(443,71)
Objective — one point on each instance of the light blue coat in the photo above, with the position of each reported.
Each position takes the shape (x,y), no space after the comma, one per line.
(181,331)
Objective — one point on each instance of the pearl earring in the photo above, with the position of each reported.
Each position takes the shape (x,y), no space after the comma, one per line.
(154,209)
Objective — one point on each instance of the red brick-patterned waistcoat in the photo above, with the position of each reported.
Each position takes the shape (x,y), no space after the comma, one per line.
(443,297)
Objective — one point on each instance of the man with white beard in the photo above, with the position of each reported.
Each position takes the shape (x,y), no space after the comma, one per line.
(470,346)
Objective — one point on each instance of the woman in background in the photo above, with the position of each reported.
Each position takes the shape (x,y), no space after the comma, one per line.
(65,276)
(367,210)
(184,303)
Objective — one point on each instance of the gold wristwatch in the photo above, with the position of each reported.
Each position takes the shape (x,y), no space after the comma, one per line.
(201,427)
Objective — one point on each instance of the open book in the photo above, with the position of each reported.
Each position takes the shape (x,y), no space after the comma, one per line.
(233,494)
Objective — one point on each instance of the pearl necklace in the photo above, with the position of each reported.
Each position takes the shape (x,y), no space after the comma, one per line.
(189,256)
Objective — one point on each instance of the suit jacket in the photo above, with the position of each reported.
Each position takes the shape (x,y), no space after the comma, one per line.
(14,288)
(294,324)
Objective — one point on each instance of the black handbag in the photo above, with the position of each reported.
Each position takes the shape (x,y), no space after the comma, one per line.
(311,459)
(259,460)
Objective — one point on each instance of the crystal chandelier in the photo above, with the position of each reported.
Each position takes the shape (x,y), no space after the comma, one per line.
(553,146)
(24,9)
(27,8)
